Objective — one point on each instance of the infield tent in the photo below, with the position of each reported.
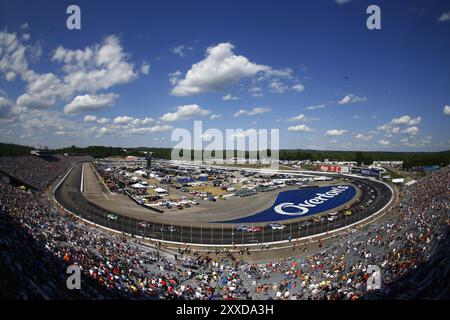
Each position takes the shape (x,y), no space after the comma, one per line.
(138,186)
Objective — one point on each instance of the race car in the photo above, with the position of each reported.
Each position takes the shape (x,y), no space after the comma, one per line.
(168,229)
(242,228)
(254,229)
(276,226)
(112,216)
(347,213)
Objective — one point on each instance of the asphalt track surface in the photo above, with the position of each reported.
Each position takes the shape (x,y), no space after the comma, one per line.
(68,194)
(201,215)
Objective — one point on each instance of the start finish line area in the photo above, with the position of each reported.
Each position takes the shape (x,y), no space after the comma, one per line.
(302,203)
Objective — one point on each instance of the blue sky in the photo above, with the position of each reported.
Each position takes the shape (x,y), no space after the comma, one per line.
(138,69)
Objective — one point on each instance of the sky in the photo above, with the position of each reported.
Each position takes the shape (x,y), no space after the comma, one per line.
(137,70)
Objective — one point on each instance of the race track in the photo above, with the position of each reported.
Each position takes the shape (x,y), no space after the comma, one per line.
(131,216)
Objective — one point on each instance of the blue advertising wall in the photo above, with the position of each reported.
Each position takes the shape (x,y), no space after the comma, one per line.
(298,196)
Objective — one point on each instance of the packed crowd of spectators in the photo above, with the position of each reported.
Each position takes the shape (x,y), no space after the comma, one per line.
(39,241)
(37,171)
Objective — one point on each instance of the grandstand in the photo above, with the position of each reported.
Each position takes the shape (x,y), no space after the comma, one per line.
(409,244)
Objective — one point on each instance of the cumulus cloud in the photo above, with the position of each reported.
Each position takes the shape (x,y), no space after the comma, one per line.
(230,97)
(444,17)
(220,69)
(97,67)
(180,50)
(277,86)
(256,92)
(406,120)
(298,87)
(93,68)
(185,112)
(89,102)
(447,110)
(411,131)
(174,77)
(335,132)
(351,98)
(103,120)
(300,128)
(253,112)
(6,106)
(384,142)
(396,124)
(123,119)
(145,68)
(363,137)
(89,118)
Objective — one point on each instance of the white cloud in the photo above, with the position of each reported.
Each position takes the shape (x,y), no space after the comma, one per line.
(298,87)
(277,86)
(174,77)
(98,67)
(253,112)
(300,128)
(103,120)
(351,98)
(89,118)
(300,117)
(180,50)
(335,132)
(89,102)
(123,119)
(406,120)
(239,134)
(145,68)
(218,70)
(229,97)
(447,110)
(412,131)
(384,142)
(444,17)
(319,106)
(215,116)
(256,92)
(394,126)
(10,75)
(363,137)
(341,2)
(185,112)
(13,55)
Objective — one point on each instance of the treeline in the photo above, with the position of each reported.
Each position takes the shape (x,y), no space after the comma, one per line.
(411,159)
(8,149)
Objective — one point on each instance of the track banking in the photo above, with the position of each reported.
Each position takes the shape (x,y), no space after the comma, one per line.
(304,207)
(301,203)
